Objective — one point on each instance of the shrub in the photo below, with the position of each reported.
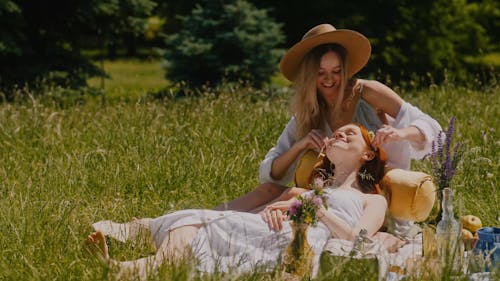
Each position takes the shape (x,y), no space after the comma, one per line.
(224,40)
(42,45)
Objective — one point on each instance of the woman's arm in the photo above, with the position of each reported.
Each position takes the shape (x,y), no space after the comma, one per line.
(382,98)
(374,208)
(288,194)
(285,142)
(385,101)
(281,164)
(262,195)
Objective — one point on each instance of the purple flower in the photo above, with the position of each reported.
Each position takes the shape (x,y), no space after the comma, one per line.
(294,207)
(449,134)
(440,147)
(318,183)
(306,195)
(318,201)
(443,159)
(297,204)
(434,158)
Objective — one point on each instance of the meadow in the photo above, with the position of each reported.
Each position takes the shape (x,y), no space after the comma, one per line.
(64,168)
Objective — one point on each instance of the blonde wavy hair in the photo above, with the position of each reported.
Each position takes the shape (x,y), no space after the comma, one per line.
(308,106)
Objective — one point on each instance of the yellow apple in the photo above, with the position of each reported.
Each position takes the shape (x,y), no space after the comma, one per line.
(466,234)
(469,239)
(471,223)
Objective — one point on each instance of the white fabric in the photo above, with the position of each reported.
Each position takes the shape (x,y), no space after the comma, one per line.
(400,259)
(374,249)
(236,242)
(399,153)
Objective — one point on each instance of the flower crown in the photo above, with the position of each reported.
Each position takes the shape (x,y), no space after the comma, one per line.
(371,136)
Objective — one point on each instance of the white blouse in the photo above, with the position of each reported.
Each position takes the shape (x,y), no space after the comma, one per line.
(399,153)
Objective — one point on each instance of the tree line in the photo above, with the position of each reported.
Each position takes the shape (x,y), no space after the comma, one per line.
(241,40)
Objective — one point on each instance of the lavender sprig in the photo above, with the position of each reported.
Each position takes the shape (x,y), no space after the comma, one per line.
(444,159)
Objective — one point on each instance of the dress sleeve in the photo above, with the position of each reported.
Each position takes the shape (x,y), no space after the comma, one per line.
(410,115)
(285,141)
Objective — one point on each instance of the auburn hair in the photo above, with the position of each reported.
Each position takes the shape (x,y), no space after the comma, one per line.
(370,174)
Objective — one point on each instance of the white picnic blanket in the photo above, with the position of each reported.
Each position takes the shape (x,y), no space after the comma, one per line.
(386,260)
(130,232)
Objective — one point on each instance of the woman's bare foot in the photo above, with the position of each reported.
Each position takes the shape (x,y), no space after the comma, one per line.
(96,244)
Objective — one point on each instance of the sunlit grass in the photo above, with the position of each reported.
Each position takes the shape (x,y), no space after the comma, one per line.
(490,59)
(130,78)
(65,168)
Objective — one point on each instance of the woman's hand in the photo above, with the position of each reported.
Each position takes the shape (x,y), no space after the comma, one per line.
(387,134)
(274,214)
(391,242)
(315,140)
(274,218)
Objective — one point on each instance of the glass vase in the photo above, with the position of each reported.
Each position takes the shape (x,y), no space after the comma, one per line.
(429,241)
(448,234)
(298,256)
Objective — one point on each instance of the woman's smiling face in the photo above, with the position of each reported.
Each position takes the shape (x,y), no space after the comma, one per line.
(347,141)
(329,76)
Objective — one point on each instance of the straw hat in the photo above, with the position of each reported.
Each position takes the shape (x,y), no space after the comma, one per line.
(357,46)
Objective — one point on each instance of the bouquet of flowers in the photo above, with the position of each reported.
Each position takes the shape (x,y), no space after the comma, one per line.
(298,256)
(304,209)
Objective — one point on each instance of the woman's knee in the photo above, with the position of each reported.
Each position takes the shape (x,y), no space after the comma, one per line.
(178,240)
(186,232)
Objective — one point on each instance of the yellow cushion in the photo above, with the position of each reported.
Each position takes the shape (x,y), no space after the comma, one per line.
(412,193)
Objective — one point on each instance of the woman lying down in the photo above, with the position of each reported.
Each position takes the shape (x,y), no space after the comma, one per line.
(231,241)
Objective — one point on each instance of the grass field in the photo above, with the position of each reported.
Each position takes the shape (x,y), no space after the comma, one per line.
(130,79)
(65,168)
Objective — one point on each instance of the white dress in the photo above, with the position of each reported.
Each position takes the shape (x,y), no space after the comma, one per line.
(230,241)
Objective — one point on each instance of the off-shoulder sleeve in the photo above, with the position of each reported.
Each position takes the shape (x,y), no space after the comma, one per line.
(410,115)
(285,141)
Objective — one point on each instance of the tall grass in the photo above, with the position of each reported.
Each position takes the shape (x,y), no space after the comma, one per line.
(65,168)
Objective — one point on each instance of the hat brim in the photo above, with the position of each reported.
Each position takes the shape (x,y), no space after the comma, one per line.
(357,46)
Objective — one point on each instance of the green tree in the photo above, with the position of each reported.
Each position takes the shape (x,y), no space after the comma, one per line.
(218,40)
(432,37)
(9,15)
(410,39)
(120,23)
(40,43)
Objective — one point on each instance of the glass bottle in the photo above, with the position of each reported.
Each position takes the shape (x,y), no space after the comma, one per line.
(448,234)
